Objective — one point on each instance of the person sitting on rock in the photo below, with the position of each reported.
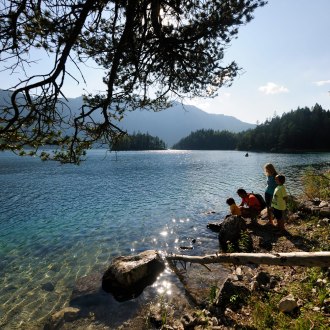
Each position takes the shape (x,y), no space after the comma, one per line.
(250,206)
(234,209)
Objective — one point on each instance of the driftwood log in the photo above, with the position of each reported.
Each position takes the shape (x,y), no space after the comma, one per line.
(304,259)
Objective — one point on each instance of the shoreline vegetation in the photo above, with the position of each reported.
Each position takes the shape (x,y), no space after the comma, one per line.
(251,296)
(302,130)
(296,131)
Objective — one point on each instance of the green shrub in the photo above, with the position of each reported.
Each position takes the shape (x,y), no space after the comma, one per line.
(316,185)
(245,242)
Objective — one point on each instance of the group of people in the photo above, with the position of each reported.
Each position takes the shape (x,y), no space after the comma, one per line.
(275,199)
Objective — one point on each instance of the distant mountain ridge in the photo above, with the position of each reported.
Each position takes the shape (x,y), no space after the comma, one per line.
(171,124)
(179,121)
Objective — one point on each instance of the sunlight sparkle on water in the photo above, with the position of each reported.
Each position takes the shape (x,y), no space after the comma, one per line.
(164,287)
(172,151)
(164,233)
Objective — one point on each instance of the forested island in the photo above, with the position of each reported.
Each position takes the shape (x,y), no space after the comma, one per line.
(304,129)
(138,141)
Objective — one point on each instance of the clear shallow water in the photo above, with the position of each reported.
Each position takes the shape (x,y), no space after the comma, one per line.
(61,222)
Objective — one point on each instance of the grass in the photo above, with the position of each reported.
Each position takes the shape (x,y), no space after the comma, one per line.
(316,185)
(157,313)
(245,243)
(313,313)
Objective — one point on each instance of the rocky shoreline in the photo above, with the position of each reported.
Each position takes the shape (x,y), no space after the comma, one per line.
(216,296)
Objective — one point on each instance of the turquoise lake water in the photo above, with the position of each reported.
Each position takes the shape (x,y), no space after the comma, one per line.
(61,222)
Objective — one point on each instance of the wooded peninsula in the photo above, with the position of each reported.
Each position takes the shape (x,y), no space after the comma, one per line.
(304,129)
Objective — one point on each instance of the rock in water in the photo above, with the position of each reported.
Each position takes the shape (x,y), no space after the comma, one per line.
(230,231)
(127,276)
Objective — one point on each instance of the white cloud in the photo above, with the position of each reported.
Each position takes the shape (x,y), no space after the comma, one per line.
(321,82)
(272,88)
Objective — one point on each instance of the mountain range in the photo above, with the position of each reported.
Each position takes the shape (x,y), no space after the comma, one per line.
(179,121)
(171,124)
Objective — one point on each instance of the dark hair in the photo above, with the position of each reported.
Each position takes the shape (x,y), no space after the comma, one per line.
(230,201)
(241,191)
(281,178)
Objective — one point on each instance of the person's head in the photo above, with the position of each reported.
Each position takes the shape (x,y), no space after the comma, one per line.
(230,201)
(241,193)
(270,169)
(280,179)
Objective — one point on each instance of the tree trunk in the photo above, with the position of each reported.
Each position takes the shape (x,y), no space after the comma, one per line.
(304,259)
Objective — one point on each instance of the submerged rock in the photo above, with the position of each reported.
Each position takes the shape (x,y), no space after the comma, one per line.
(214,226)
(67,314)
(186,247)
(48,286)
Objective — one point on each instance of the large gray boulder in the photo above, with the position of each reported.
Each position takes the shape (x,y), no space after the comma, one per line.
(127,276)
(230,232)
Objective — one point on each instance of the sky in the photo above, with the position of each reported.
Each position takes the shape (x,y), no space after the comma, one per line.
(284,53)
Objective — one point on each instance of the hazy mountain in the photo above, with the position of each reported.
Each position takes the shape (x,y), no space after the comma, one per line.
(4,98)
(179,121)
(169,125)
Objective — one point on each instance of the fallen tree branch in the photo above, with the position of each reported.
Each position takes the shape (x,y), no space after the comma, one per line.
(304,259)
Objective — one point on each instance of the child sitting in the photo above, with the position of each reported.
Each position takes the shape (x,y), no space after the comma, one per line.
(234,209)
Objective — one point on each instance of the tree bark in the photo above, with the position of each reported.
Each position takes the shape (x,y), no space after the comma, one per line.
(304,259)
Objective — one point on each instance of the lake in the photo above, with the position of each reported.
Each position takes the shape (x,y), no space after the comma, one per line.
(61,222)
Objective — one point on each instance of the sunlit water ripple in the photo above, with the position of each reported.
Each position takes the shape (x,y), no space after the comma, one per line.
(61,222)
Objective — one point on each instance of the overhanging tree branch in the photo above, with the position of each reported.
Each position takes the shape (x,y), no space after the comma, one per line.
(150,51)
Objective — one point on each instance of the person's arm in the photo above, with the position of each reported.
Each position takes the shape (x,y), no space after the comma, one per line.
(285,195)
